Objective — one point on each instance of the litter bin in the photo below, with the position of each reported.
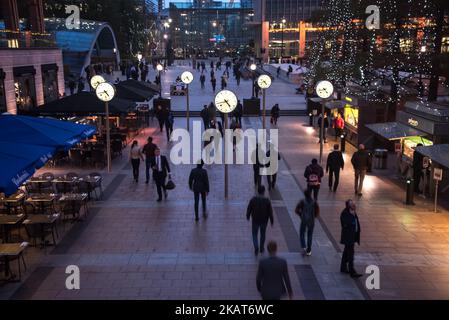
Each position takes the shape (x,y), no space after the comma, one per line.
(381,157)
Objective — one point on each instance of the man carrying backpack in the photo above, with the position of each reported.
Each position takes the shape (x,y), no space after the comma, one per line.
(308,210)
(313,173)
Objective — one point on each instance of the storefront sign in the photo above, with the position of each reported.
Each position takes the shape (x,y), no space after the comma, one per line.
(438,174)
(413,122)
(422,124)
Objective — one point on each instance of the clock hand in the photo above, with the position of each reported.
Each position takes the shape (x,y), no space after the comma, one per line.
(227,103)
(105,92)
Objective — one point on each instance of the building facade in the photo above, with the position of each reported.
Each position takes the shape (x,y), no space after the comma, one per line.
(211,27)
(31,67)
(283,25)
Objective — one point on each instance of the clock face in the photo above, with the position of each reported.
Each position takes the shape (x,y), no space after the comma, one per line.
(264,81)
(105,91)
(187,77)
(324,89)
(95,81)
(226,101)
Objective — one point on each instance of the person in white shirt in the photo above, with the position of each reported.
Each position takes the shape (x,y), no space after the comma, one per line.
(135,155)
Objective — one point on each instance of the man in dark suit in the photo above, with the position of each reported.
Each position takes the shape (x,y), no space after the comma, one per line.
(273,280)
(350,234)
(361,161)
(334,164)
(260,210)
(149,150)
(161,170)
(199,184)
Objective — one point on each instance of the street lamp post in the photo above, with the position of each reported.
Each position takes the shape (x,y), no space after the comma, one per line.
(282,37)
(253,68)
(159,68)
(324,90)
(187,78)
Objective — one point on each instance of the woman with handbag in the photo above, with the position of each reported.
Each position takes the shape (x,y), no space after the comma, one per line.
(135,155)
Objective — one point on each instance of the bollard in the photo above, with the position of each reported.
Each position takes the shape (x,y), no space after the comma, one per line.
(311,119)
(410,192)
(343,143)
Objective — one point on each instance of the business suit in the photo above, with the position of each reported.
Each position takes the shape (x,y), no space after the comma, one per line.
(350,234)
(273,280)
(271,179)
(334,164)
(260,211)
(199,184)
(161,169)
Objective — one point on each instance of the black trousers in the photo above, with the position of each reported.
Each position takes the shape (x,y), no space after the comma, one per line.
(347,259)
(136,164)
(271,181)
(257,178)
(168,129)
(315,190)
(161,124)
(197,202)
(160,185)
(334,173)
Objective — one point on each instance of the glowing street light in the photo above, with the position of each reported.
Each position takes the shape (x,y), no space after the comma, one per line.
(282,35)
(139,56)
(159,68)
(165,36)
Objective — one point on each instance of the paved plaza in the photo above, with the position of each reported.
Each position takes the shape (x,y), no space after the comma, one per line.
(132,247)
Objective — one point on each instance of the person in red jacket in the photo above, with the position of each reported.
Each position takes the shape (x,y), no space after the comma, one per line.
(339,125)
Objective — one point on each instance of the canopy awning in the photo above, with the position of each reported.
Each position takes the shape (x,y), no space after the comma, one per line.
(85,104)
(438,153)
(394,130)
(133,93)
(42,132)
(18,162)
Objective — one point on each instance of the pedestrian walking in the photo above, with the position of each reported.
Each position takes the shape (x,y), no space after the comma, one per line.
(350,235)
(204,114)
(325,121)
(334,164)
(161,170)
(169,122)
(275,113)
(199,184)
(361,161)
(213,81)
(314,173)
(278,71)
(259,211)
(160,116)
(149,150)
(256,166)
(224,82)
(273,281)
(308,210)
(212,64)
(272,176)
(135,155)
(202,80)
(339,125)
(238,113)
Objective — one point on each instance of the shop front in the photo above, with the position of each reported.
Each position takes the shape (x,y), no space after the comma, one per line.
(357,113)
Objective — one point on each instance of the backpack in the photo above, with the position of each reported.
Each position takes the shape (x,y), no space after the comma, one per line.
(313,179)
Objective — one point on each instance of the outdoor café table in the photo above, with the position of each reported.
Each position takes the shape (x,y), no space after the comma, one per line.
(41,182)
(10,251)
(44,220)
(72,198)
(7,222)
(42,200)
(12,203)
(67,183)
(93,181)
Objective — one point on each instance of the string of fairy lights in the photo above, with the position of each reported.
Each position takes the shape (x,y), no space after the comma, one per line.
(403,47)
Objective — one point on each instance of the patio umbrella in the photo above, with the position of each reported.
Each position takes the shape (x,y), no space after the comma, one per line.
(42,132)
(18,162)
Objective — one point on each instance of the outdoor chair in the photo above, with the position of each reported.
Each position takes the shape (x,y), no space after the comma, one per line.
(71,210)
(86,187)
(98,185)
(71,175)
(37,232)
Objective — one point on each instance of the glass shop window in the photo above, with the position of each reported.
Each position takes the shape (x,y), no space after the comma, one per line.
(25,89)
(50,85)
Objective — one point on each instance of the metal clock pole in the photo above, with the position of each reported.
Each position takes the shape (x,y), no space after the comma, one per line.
(188,108)
(322,131)
(108,138)
(264,107)
(225,155)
